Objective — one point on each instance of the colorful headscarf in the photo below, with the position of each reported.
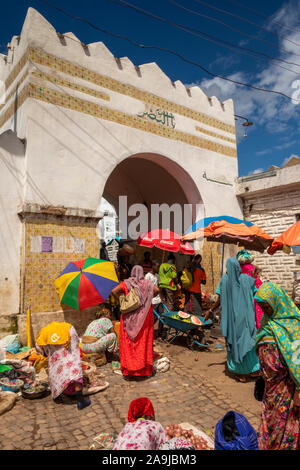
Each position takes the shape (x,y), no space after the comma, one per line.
(238,311)
(56,333)
(244,439)
(139,408)
(177,443)
(133,321)
(283,326)
(244,257)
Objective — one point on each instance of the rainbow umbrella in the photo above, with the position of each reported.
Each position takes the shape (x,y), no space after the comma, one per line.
(86,283)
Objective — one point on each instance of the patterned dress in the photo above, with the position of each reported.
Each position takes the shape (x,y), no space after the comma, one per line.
(280,428)
(107,341)
(64,365)
(141,435)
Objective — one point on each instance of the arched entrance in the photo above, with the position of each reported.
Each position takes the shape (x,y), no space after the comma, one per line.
(150,179)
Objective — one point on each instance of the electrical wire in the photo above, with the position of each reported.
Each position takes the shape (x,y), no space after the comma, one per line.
(169,51)
(245,20)
(213,39)
(211,18)
(263,15)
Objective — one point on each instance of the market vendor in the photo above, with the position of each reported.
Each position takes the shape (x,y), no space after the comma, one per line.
(168,280)
(99,335)
(193,293)
(60,343)
(147,263)
(141,432)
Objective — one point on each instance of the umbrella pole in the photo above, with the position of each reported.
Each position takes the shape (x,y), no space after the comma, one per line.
(222,267)
(163,257)
(212,269)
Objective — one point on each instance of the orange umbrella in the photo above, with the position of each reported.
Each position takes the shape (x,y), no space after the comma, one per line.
(250,237)
(289,238)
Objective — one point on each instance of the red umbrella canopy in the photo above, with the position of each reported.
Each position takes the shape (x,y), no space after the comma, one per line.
(166,240)
(291,238)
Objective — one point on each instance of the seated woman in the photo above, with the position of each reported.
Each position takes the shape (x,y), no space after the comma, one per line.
(141,432)
(234,432)
(60,343)
(102,331)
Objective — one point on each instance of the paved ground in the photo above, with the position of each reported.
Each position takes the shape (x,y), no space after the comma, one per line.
(194,391)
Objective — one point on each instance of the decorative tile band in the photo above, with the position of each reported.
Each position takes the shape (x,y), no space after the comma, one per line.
(60,99)
(24,94)
(214,134)
(17,69)
(73,86)
(67,101)
(14,90)
(41,57)
(48,247)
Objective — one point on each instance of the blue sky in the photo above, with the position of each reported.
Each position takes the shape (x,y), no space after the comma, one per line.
(274,137)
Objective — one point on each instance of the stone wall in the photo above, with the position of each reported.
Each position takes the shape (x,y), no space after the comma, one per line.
(8,325)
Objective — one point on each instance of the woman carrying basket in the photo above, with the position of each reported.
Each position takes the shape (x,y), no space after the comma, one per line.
(137,327)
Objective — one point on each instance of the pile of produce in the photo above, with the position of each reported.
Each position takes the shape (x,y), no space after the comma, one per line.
(177,431)
(35,388)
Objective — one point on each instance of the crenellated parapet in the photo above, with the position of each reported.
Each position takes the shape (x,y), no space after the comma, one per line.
(60,64)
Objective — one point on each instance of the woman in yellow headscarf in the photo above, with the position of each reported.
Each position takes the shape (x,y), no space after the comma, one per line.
(278,347)
(60,343)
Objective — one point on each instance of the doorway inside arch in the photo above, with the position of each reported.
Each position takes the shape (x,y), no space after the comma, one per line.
(150,179)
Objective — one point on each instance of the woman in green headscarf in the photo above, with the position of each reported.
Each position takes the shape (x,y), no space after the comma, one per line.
(236,291)
(278,347)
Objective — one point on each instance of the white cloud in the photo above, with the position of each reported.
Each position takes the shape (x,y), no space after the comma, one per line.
(262,152)
(275,113)
(255,172)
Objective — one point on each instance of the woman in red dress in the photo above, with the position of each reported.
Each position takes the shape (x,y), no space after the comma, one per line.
(137,327)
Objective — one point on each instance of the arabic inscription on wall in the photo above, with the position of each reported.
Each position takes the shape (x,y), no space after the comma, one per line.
(160,116)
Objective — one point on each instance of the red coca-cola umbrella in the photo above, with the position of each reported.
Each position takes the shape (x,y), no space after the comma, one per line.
(165,240)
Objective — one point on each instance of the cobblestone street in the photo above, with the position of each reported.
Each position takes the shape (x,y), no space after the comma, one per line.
(183,394)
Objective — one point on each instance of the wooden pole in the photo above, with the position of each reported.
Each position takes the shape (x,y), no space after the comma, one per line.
(222,267)
(28,328)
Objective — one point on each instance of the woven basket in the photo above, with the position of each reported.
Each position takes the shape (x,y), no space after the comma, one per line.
(89,368)
(99,359)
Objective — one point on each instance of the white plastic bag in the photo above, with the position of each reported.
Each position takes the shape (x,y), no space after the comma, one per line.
(9,340)
(2,354)
(162,364)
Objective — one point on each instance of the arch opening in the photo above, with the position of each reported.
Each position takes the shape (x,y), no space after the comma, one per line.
(150,180)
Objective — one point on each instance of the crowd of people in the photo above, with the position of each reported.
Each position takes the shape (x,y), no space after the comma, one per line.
(260,324)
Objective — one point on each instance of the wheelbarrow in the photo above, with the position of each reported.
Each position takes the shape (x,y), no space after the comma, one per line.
(178,328)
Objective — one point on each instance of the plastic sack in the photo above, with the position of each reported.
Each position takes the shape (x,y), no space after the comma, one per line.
(2,354)
(186,279)
(161,365)
(11,343)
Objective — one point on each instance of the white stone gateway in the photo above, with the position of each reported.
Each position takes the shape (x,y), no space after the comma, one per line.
(77,124)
